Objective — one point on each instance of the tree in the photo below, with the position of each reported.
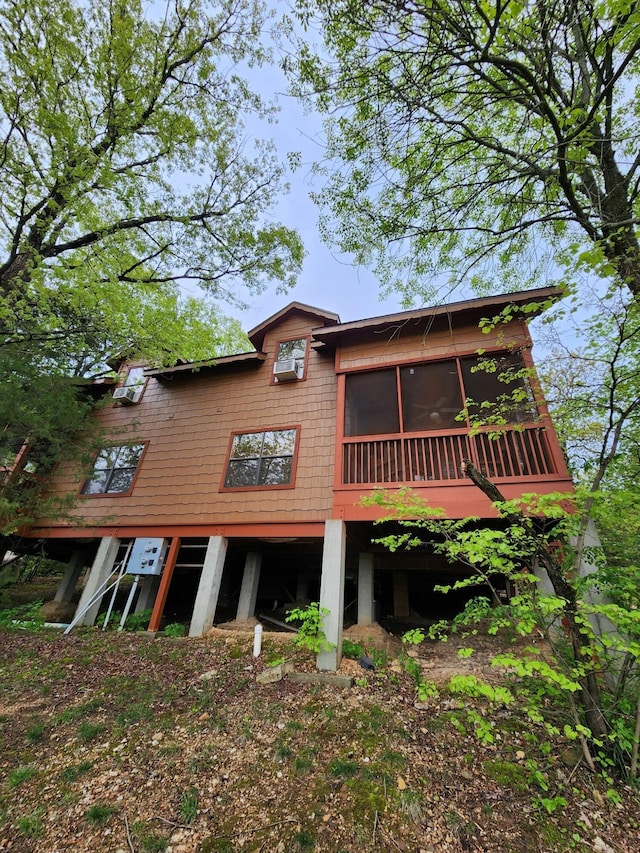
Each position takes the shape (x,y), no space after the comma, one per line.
(126,173)
(594,388)
(465,136)
(122,154)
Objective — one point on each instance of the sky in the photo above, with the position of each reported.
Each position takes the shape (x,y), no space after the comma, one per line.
(328,279)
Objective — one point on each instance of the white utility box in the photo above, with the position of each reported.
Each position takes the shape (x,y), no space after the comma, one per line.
(147,556)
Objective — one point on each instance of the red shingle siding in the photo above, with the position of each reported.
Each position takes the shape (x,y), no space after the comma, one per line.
(188,423)
(402,344)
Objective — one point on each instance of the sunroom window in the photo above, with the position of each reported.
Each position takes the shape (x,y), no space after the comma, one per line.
(431,396)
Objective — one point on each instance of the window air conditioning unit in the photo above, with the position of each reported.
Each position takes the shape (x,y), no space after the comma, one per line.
(128,395)
(287,369)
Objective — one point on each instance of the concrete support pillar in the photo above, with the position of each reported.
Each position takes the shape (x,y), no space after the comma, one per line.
(400,595)
(100,571)
(332,592)
(204,609)
(249,588)
(147,593)
(69,580)
(366,615)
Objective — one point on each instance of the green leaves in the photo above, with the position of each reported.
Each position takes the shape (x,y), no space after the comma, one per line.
(475,140)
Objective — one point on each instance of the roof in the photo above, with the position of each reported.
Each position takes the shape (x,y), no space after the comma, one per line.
(330,330)
(326,318)
(482,307)
(190,367)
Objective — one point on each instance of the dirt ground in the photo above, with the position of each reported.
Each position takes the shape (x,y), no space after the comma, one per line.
(124,743)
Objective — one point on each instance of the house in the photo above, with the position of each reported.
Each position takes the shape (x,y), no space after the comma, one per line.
(241,478)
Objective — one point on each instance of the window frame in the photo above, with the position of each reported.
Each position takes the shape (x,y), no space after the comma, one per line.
(105,494)
(456,360)
(260,486)
(307,347)
(123,379)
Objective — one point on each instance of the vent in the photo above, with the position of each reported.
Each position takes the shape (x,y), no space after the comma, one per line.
(128,395)
(287,369)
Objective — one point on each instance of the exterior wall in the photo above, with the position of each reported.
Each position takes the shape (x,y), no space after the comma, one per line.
(413,342)
(417,342)
(188,423)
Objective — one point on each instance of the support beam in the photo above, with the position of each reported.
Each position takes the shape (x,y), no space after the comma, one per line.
(332,592)
(366,614)
(148,591)
(67,585)
(204,609)
(100,570)
(400,595)
(165,583)
(249,588)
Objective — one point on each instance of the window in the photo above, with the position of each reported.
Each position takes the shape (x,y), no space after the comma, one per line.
(430,397)
(500,379)
(290,360)
(371,406)
(114,470)
(260,459)
(130,390)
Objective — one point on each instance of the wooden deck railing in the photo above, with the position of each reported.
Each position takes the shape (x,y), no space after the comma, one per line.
(427,458)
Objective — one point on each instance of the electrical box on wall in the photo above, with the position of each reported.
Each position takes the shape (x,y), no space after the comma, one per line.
(147,557)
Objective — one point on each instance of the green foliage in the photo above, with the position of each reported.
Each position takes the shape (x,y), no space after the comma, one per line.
(149,841)
(352,650)
(30,826)
(75,771)
(430,182)
(99,813)
(343,767)
(24,617)
(569,679)
(138,621)
(35,732)
(126,172)
(189,805)
(89,731)
(310,634)
(175,629)
(21,774)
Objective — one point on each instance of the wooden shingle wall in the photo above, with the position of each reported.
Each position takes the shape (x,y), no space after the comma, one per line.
(188,423)
(410,342)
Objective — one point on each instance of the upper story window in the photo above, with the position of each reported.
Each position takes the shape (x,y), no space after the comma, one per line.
(290,360)
(261,459)
(130,391)
(114,470)
(431,396)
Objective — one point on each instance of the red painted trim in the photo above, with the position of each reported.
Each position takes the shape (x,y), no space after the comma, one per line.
(340,410)
(165,583)
(258,530)
(294,463)
(407,362)
(133,482)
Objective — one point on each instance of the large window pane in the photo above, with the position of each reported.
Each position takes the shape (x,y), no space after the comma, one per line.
(431,396)
(371,406)
(242,472)
(275,471)
(261,459)
(113,470)
(496,389)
